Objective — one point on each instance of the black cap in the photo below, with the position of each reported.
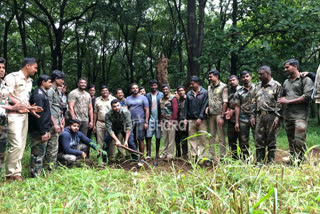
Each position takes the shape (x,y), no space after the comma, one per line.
(56,74)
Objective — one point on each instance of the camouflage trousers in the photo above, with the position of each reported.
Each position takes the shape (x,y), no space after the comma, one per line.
(296,132)
(242,136)
(265,137)
(38,152)
(69,159)
(52,149)
(233,137)
(3,146)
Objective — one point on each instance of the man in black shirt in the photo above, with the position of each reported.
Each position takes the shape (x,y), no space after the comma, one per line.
(40,128)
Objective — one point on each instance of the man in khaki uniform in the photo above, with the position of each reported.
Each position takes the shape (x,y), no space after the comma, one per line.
(101,107)
(19,85)
(4,103)
(218,99)
(80,107)
(295,98)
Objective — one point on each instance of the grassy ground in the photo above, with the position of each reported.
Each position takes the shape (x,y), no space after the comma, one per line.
(228,188)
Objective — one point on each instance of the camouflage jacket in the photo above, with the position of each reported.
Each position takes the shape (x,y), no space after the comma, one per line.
(243,98)
(265,98)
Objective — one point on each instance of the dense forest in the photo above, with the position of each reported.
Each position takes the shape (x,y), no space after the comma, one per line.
(120,42)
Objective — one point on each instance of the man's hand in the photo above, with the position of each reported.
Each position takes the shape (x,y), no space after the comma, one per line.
(57,128)
(237,127)
(34,108)
(145,126)
(220,122)
(125,144)
(185,121)
(83,155)
(118,143)
(99,151)
(276,123)
(229,113)
(45,137)
(91,125)
(304,74)
(61,128)
(207,110)
(253,122)
(283,100)
(198,122)
(94,129)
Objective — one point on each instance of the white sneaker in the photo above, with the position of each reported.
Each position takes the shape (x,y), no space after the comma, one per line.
(148,158)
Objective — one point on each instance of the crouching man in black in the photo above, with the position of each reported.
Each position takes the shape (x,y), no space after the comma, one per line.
(73,144)
(118,121)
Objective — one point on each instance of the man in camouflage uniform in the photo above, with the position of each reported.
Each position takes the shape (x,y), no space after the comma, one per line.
(218,99)
(233,136)
(295,98)
(266,115)
(242,100)
(57,118)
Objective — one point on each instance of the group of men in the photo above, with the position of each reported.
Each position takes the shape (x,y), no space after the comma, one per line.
(132,121)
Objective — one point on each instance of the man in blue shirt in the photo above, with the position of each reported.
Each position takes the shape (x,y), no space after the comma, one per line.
(70,148)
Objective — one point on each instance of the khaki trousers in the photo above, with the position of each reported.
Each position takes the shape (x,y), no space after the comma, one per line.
(101,132)
(169,136)
(198,144)
(214,131)
(17,138)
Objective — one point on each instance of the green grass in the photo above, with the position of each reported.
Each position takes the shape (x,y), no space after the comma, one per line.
(229,188)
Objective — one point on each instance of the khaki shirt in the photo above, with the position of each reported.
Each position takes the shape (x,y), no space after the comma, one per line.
(243,98)
(81,100)
(293,89)
(218,94)
(102,106)
(265,98)
(19,86)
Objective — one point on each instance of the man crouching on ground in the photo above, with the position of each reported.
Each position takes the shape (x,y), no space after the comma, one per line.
(118,121)
(73,143)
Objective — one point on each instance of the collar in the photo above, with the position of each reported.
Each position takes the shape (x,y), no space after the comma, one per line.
(22,76)
(214,86)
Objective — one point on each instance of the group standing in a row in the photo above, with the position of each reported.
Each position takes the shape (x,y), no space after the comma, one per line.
(132,121)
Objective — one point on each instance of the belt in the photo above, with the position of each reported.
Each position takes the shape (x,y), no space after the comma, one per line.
(261,112)
(15,112)
(102,121)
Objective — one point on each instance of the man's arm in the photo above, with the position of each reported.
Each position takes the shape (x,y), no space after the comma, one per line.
(65,140)
(90,115)
(204,105)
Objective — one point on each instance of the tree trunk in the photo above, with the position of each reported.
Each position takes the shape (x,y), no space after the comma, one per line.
(234,54)
(5,36)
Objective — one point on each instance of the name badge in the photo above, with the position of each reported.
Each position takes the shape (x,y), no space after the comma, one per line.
(270,91)
(217,92)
